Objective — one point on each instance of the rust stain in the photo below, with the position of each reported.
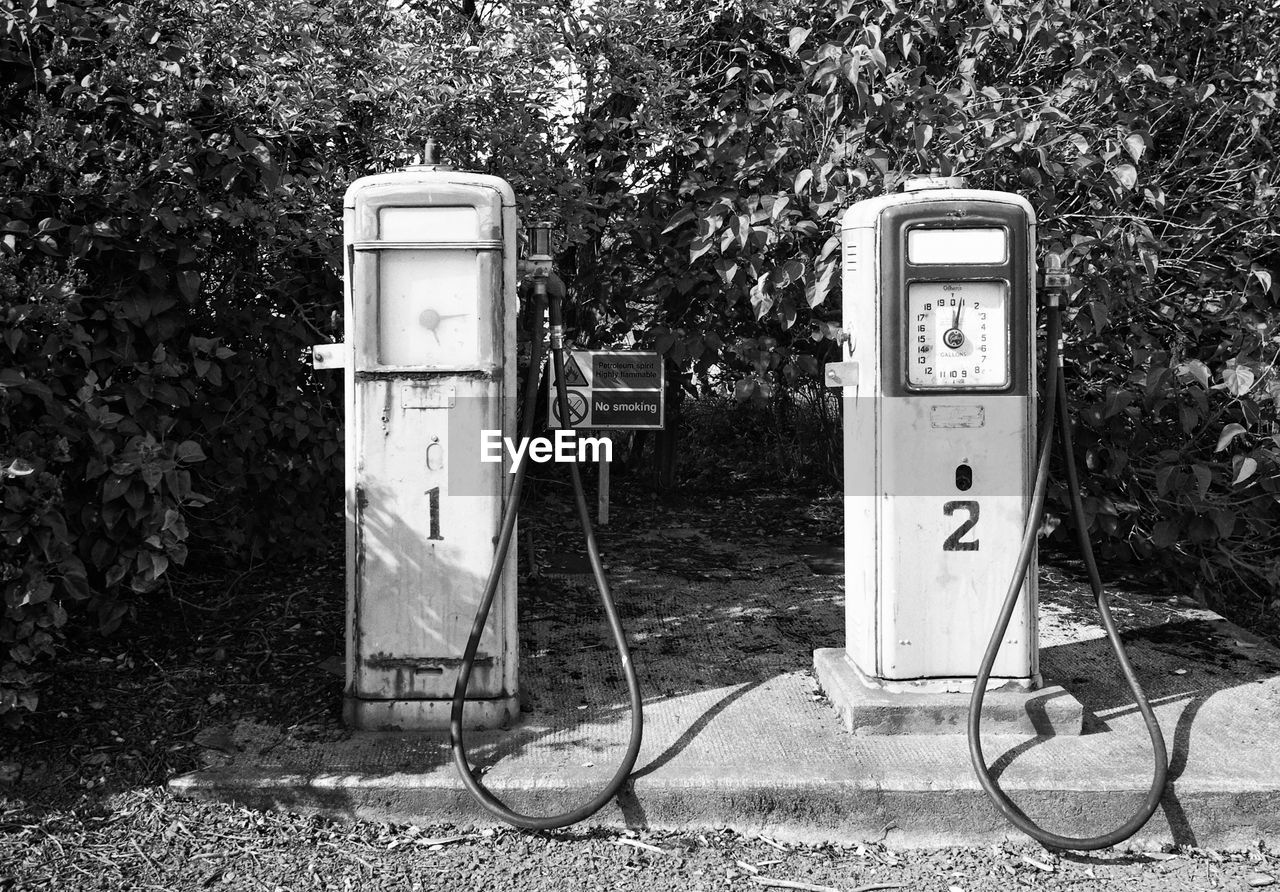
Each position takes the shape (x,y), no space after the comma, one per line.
(368,376)
(386,663)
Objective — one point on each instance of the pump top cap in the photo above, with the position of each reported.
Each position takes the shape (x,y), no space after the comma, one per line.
(919,184)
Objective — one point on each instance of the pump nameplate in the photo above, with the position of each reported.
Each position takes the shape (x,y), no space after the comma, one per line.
(957,416)
(428,397)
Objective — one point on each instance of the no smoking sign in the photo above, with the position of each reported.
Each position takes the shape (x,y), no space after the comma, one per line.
(611,390)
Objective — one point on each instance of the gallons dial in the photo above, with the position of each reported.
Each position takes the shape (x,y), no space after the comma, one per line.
(957,335)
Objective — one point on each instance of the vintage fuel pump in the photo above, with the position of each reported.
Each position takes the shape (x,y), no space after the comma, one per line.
(943,488)
(430,315)
(430,362)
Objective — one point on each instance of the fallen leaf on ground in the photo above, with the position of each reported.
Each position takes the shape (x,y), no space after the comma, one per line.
(440,840)
(637,844)
(1039,865)
(791,884)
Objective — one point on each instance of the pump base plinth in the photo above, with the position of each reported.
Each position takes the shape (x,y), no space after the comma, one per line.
(427,715)
(868,708)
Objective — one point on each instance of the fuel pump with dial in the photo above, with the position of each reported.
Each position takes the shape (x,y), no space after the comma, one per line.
(944,487)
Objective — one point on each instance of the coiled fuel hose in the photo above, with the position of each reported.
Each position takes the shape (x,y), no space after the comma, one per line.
(482,794)
(1056,399)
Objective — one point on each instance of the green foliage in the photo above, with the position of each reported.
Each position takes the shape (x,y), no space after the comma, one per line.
(169,241)
(1142,133)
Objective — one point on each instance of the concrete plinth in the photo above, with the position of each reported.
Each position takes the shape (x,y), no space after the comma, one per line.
(869,708)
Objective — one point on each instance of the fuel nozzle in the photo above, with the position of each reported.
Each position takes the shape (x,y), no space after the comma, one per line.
(540,250)
(539,259)
(1055,281)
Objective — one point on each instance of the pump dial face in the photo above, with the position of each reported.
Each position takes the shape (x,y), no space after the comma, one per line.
(429,310)
(958,335)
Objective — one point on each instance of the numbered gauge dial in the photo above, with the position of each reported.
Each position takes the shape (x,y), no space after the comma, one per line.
(957,335)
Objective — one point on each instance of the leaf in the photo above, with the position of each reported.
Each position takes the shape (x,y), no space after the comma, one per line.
(1165,534)
(1224,519)
(1135,145)
(681,217)
(743,389)
(759,299)
(1263,277)
(1099,313)
(797,37)
(114,488)
(1239,379)
(1229,433)
(802,180)
(788,309)
(699,247)
(152,474)
(821,287)
(18,467)
(1245,469)
(727,269)
(1126,175)
(190,451)
(1203,478)
(189,284)
(1197,370)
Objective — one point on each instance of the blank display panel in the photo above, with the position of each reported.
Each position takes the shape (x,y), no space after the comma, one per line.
(964,246)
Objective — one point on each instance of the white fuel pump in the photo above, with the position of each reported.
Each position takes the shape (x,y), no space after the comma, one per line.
(430,363)
(430,314)
(940,442)
(943,489)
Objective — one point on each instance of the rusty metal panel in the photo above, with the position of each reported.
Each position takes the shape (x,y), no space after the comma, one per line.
(427,535)
(431,324)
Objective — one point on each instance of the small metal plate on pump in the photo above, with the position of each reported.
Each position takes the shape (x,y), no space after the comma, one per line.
(841,374)
(329,356)
(427,397)
(957,416)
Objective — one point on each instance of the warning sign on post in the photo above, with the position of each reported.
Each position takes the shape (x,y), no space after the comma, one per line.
(611,389)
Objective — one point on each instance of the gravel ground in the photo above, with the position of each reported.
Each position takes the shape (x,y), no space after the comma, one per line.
(146,840)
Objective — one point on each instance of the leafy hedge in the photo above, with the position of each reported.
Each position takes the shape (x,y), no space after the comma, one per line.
(1143,134)
(167,254)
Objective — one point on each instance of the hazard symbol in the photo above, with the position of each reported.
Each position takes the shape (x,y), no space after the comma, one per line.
(573,376)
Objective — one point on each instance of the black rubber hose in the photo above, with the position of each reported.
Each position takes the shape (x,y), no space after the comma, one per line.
(1056,398)
(486,798)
